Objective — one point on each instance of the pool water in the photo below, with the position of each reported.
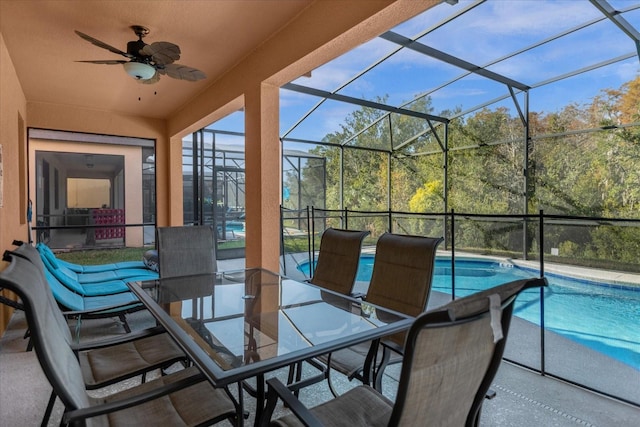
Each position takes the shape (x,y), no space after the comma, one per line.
(233,226)
(601,317)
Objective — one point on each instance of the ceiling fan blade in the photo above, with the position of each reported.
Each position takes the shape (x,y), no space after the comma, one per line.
(182,72)
(107,61)
(162,52)
(102,44)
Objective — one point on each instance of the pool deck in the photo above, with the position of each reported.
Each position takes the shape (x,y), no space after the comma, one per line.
(524,398)
(563,357)
(591,274)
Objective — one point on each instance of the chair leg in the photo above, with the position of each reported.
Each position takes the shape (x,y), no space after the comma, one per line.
(328,375)
(295,375)
(241,413)
(125,324)
(47,412)
(27,334)
(379,371)
(270,406)
(260,398)
(78,325)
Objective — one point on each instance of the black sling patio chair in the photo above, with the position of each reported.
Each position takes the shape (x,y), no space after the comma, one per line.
(189,250)
(401,280)
(451,356)
(182,398)
(336,270)
(186,250)
(338,259)
(110,360)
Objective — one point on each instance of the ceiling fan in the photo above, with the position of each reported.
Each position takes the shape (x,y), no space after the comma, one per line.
(147,61)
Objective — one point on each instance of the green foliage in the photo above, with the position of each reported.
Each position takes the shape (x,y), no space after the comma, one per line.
(569,249)
(427,198)
(571,170)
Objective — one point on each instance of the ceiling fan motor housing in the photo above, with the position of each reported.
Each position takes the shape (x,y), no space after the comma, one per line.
(134,48)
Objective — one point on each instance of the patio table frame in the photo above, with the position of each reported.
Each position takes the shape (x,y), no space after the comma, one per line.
(220,377)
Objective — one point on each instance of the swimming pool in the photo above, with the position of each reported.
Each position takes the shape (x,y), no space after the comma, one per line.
(233,226)
(604,318)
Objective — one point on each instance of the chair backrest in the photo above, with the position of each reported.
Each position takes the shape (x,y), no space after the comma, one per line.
(186,250)
(61,294)
(30,253)
(63,275)
(452,354)
(338,259)
(403,272)
(56,358)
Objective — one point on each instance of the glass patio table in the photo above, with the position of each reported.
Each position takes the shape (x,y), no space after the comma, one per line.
(239,325)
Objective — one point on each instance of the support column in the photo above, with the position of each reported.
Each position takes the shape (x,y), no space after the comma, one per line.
(168,162)
(263,177)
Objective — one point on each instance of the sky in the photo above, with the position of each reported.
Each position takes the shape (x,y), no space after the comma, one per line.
(488,31)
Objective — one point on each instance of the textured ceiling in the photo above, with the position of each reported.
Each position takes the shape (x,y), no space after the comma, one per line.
(213,36)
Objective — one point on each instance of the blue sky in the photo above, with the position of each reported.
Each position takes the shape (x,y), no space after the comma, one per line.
(486,33)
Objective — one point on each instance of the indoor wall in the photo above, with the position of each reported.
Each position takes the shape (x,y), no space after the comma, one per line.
(13,109)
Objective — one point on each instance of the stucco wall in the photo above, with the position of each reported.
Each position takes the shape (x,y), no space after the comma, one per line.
(13,107)
(70,118)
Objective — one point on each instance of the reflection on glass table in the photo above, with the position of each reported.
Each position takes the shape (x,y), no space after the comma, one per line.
(238,325)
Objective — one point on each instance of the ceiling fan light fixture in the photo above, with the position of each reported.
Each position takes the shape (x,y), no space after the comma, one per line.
(138,70)
(146,62)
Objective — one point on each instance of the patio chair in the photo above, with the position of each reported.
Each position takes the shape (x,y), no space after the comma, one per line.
(76,306)
(338,259)
(96,268)
(401,280)
(183,398)
(111,360)
(186,250)
(336,270)
(451,357)
(134,354)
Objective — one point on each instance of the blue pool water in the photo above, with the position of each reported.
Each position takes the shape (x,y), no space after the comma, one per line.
(234,226)
(604,318)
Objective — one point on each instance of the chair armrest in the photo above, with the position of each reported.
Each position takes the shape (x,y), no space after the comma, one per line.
(237,275)
(393,346)
(109,342)
(118,405)
(277,389)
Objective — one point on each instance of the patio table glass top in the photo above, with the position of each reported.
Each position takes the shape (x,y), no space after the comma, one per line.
(241,324)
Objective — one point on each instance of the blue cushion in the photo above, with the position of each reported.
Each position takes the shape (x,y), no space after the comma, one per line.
(48,254)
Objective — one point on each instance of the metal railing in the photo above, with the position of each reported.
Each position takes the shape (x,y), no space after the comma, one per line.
(532,243)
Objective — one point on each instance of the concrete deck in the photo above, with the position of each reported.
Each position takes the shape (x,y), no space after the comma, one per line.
(523,398)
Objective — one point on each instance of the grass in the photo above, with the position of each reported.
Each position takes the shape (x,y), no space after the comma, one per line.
(103,256)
